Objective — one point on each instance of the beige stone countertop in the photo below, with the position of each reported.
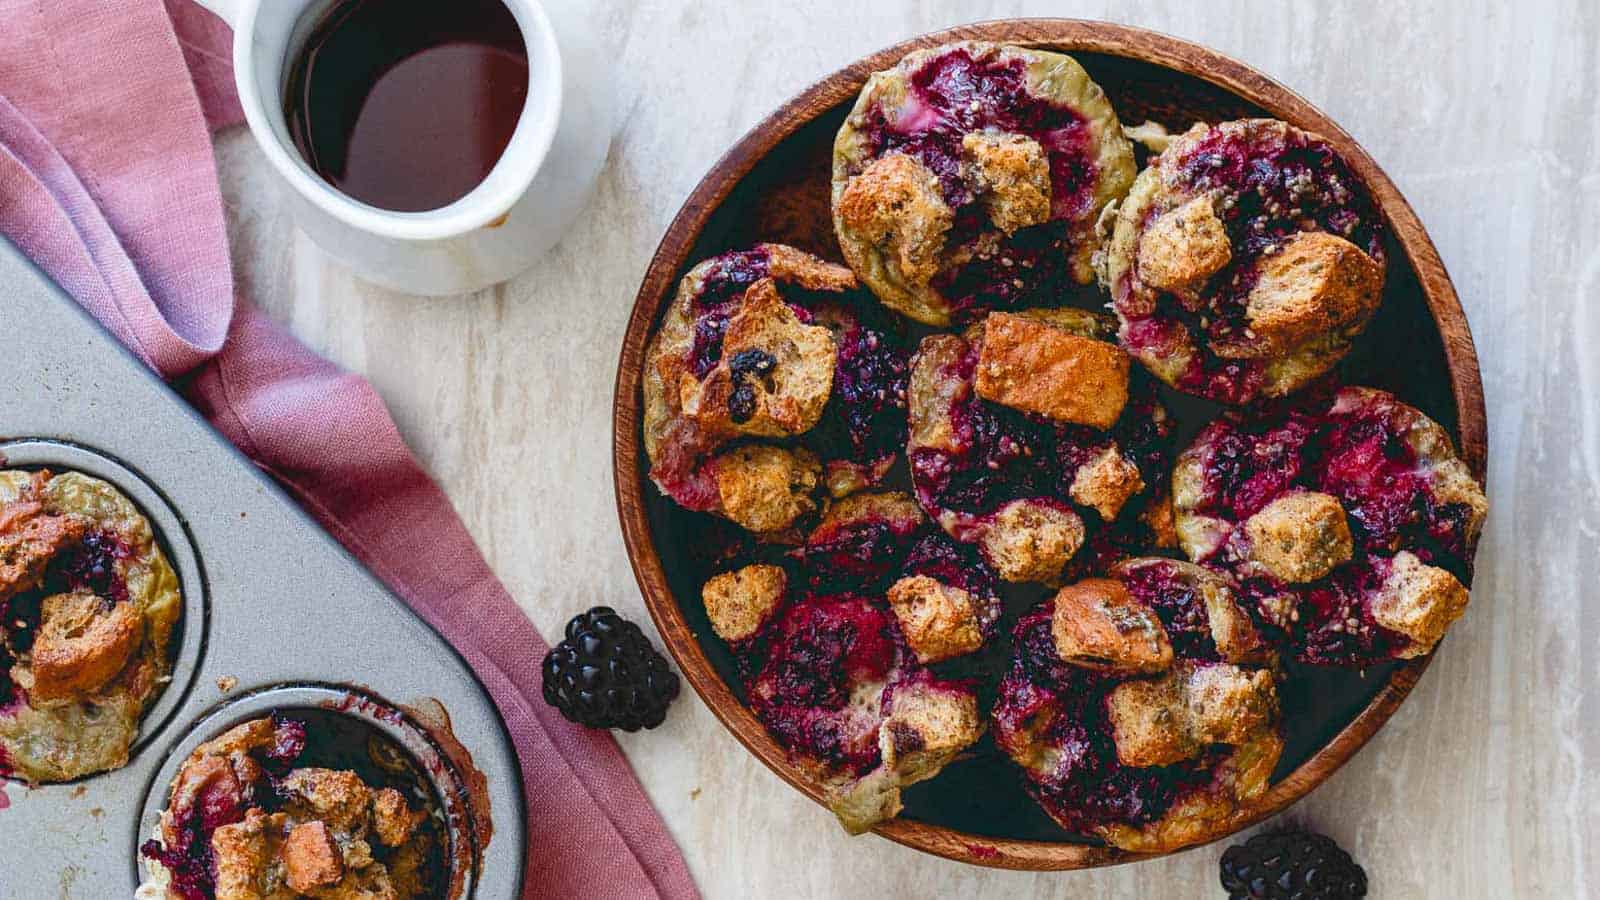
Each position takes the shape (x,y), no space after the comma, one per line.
(1485,115)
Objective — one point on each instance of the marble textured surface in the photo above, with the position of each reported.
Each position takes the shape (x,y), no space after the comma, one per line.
(1484,113)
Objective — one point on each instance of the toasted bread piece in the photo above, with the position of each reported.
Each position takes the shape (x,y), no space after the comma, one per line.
(1300,536)
(1099,625)
(939,621)
(1106,482)
(1172,718)
(740,602)
(1419,601)
(1031,540)
(897,202)
(311,858)
(774,376)
(1183,247)
(393,820)
(30,538)
(243,852)
(765,489)
(1316,283)
(336,796)
(82,645)
(1029,365)
(1012,174)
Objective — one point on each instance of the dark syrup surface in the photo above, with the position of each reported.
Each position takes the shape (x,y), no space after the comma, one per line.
(408,104)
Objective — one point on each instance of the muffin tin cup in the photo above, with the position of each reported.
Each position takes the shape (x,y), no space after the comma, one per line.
(277,616)
(172,535)
(428,758)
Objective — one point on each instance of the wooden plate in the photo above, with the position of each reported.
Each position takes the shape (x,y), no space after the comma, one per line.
(773,186)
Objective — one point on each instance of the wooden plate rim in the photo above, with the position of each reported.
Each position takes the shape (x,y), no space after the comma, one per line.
(1070,35)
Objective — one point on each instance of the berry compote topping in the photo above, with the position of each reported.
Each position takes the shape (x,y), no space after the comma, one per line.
(92,566)
(1006,455)
(822,651)
(948,562)
(1044,700)
(857,556)
(952,95)
(1274,184)
(721,288)
(869,387)
(1180,606)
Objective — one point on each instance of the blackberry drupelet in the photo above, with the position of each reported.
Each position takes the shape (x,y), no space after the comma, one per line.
(605,674)
(1292,865)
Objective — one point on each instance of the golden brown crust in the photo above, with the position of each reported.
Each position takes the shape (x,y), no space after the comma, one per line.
(335,796)
(81,645)
(1011,173)
(933,394)
(244,851)
(1300,536)
(738,603)
(1099,625)
(1106,482)
(895,507)
(1032,366)
(1419,601)
(766,489)
(788,399)
(1029,540)
(1316,283)
(939,621)
(393,821)
(30,538)
(1183,247)
(896,202)
(790,264)
(311,858)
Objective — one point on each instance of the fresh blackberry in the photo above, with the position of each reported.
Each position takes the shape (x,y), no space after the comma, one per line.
(605,674)
(1291,865)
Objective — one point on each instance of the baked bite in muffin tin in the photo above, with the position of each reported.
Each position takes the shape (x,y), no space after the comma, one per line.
(1346,519)
(757,347)
(969,177)
(297,805)
(1030,431)
(1136,711)
(88,607)
(1244,261)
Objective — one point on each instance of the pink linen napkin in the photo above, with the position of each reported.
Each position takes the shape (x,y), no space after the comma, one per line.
(107,181)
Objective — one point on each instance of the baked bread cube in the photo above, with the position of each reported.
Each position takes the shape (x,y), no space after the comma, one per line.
(1099,625)
(897,203)
(1300,536)
(1315,283)
(1106,483)
(1419,601)
(1035,367)
(1012,174)
(775,374)
(1183,247)
(939,621)
(739,603)
(1173,718)
(765,489)
(1032,540)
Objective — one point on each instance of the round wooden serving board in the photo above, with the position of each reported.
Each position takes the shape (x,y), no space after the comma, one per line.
(773,186)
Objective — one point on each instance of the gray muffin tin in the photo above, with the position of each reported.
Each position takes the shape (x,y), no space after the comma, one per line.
(275,610)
